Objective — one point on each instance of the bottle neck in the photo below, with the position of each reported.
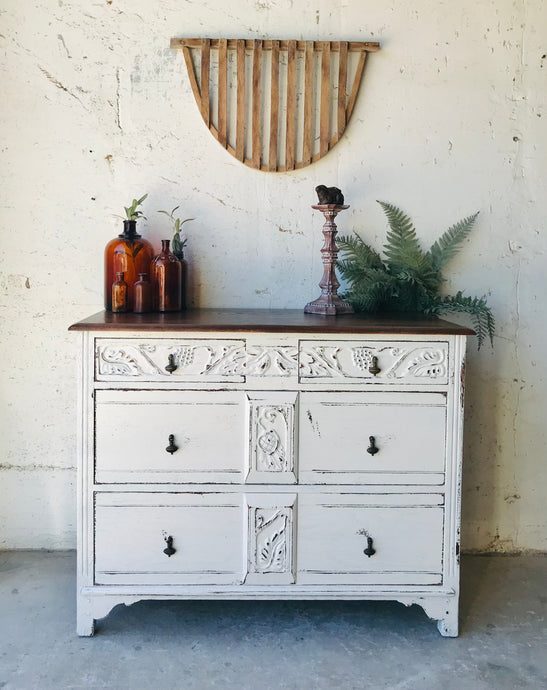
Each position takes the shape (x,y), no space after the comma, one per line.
(165,246)
(129,230)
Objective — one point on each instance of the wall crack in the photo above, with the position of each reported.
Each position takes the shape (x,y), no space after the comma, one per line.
(59,85)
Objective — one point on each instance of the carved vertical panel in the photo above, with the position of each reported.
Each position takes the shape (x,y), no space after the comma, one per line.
(271,538)
(271,423)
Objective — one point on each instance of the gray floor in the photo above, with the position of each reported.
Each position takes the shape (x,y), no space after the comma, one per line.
(263,645)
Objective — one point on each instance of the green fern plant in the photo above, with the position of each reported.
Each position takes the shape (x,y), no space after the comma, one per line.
(407,279)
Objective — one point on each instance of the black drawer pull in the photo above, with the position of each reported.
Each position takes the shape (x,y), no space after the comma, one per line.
(369,551)
(171,367)
(171,448)
(169,551)
(374,368)
(372,449)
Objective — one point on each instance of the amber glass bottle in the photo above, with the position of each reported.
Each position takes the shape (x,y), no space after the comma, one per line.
(184,279)
(143,295)
(129,253)
(119,293)
(166,278)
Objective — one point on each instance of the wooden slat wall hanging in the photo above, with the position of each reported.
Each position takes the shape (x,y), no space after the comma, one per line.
(275,105)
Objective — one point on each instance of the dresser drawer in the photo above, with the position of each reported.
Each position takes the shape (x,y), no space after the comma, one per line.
(158,359)
(376,362)
(372,438)
(132,532)
(133,430)
(406,533)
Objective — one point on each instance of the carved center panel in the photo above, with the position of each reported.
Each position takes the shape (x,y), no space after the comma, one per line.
(271,539)
(271,438)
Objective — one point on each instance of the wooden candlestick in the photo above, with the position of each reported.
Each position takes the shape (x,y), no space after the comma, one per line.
(329,302)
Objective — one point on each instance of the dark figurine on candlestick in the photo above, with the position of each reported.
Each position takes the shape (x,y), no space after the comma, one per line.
(331,202)
(329,195)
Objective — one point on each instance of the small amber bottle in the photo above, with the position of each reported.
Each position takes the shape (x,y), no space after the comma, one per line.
(143,294)
(119,293)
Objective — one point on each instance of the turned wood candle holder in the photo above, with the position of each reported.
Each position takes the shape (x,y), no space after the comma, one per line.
(329,302)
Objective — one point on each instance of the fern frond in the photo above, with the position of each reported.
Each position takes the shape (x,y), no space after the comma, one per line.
(405,257)
(480,312)
(371,291)
(360,251)
(402,247)
(449,243)
(362,279)
(368,302)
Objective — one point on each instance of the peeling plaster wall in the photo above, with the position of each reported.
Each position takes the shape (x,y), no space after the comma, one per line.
(97,109)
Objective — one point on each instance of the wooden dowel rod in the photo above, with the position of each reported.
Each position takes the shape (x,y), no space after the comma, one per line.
(274,104)
(191,74)
(308,103)
(355,87)
(257,75)
(205,67)
(291,106)
(325,100)
(222,91)
(342,82)
(240,124)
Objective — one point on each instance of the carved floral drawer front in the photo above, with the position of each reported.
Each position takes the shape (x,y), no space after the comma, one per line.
(370,539)
(169,436)
(372,438)
(169,538)
(381,362)
(163,360)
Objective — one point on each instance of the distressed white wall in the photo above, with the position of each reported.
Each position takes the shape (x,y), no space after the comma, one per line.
(97,109)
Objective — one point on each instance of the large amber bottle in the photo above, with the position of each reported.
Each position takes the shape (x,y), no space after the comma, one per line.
(128,253)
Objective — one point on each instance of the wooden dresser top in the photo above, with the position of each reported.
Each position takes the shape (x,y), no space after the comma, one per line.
(268,321)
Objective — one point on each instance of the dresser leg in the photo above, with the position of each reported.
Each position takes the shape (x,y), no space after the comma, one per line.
(85,623)
(448,625)
(444,610)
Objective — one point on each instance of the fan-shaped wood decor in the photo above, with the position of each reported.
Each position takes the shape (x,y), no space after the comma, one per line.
(275,105)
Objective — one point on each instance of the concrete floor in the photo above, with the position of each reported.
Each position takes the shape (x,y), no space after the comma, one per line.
(273,645)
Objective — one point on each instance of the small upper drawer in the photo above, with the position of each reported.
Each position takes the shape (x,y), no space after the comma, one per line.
(378,362)
(155,359)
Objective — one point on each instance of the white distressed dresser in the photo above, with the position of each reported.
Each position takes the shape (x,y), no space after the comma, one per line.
(254,454)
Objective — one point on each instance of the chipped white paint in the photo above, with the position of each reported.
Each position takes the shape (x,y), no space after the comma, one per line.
(98,109)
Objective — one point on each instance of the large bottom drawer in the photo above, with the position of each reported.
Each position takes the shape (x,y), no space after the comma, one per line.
(384,539)
(135,532)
